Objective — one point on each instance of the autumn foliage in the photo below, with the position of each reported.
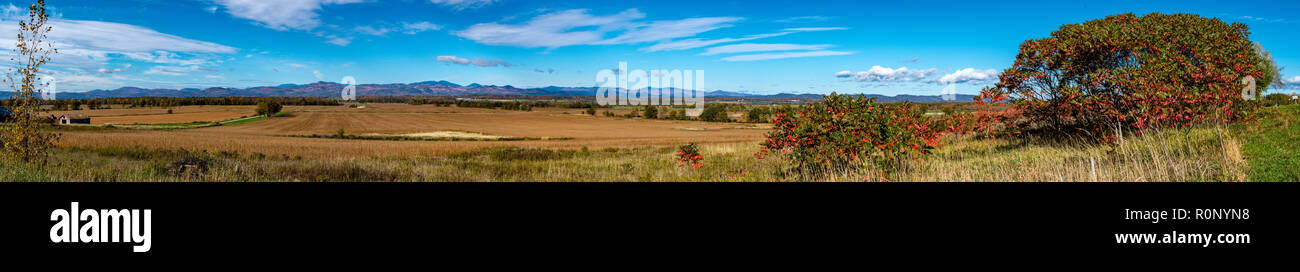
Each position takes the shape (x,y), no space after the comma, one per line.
(842,132)
(21,138)
(689,155)
(1130,73)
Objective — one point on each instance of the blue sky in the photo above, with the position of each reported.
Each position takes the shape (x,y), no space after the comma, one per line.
(883,47)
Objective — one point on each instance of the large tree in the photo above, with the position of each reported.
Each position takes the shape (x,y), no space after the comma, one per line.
(1130,72)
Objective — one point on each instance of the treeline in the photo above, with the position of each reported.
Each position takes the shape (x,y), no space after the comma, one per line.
(520,105)
(711,113)
(97,103)
(505,105)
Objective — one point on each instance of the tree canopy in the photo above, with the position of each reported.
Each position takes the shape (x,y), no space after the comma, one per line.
(1131,72)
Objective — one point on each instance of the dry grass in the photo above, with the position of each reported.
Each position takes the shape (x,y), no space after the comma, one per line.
(1172,155)
(184,114)
(601,149)
(268,136)
(1184,154)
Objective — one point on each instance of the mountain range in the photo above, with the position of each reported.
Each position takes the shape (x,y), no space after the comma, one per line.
(425,88)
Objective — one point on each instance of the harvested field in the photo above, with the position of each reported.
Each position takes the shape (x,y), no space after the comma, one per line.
(270,136)
(184,114)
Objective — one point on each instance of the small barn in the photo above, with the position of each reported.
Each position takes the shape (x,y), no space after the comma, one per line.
(75,118)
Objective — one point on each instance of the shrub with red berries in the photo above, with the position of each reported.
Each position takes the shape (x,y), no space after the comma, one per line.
(841,133)
(689,155)
(1130,73)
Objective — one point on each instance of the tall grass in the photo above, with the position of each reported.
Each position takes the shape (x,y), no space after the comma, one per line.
(1175,154)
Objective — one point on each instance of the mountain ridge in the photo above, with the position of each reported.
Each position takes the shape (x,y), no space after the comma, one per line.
(424,88)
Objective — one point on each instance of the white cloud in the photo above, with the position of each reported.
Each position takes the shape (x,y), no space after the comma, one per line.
(667,30)
(969,75)
(480,62)
(1262,19)
(788,55)
(463,4)
(452,59)
(697,43)
(171,70)
(417,27)
(295,65)
(368,30)
(280,15)
(12,11)
(886,74)
(106,36)
(805,19)
(405,28)
(761,47)
(318,75)
(106,70)
(1291,80)
(557,29)
(801,29)
(89,45)
(68,81)
(339,41)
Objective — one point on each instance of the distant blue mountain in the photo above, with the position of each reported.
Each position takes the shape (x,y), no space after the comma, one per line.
(428,88)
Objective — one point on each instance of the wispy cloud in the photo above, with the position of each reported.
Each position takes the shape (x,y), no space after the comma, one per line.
(480,62)
(88,46)
(280,15)
(463,4)
(404,28)
(805,29)
(373,31)
(176,70)
(761,47)
(693,43)
(417,27)
(339,41)
(805,19)
(771,56)
(578,27)
(1262,19)
(697,43)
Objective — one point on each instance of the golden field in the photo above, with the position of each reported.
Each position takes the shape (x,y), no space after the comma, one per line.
(562,145)
(184,114)
(273,136)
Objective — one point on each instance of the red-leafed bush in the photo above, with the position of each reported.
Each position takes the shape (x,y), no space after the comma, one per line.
(1131,73)
(842,132)
(689,155)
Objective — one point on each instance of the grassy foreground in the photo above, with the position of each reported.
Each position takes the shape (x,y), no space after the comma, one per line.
(1263,150)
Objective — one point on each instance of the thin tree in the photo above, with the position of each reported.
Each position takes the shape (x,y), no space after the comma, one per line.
(23,139)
